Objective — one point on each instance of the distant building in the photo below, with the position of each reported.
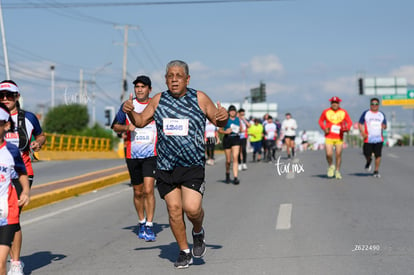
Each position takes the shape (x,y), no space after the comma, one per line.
(258,95)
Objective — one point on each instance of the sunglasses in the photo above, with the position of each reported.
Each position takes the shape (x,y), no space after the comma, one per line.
(9,95)
(375,103)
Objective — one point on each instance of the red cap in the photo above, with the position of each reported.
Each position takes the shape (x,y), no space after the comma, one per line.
(335,99)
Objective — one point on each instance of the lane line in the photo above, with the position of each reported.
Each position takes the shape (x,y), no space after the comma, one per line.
(284,217)
(391,155)
(47,216)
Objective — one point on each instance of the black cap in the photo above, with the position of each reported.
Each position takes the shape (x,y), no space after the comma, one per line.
(232,108)
(143,79)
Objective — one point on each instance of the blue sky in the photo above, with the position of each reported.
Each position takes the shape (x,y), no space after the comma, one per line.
(304,51)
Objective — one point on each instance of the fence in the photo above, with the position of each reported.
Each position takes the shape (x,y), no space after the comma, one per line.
(56,142)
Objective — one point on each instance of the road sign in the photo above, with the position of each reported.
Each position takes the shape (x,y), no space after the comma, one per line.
(382,86)
(398,102)
(395,100)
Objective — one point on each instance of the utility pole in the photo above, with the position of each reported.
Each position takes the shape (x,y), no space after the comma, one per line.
(124,65)
(3,37)
(93,91)
(52,86)
(81,87)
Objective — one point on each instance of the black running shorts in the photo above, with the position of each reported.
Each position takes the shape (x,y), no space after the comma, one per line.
(370,148)
(190,177)
(141,168)
(230,141)
(7,233)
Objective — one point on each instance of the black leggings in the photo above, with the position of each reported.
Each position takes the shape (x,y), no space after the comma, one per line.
(210,146)
(243,151)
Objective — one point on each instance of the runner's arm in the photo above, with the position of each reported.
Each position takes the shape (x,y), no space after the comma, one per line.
(142,119)
(217,115)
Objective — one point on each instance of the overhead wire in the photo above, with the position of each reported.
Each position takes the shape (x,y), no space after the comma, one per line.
(61,5)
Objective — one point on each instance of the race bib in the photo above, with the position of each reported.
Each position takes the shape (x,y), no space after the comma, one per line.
(143,136)
(4,210)
(376,125)
(175,126)
(235,128)
(336,129)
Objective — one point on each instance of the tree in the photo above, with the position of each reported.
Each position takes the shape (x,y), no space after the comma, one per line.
(66,119)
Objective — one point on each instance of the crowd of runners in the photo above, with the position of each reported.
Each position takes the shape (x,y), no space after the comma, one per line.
(169,138)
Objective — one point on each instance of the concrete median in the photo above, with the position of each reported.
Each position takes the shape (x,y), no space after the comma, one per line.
(56,191)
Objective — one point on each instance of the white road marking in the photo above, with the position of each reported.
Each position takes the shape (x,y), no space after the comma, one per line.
(391,155)
(40,218)
(284,217)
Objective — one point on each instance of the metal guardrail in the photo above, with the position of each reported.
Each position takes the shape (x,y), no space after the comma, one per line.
(57,142)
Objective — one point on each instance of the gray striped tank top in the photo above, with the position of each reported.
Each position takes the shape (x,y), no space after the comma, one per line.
(180,127)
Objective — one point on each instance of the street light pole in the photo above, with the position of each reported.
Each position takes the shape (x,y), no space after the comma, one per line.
(93,91)
(3,37)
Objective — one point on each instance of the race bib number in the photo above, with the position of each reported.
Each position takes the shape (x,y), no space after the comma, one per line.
(336,129)
(4,210)
(143,136)
(175,126)
(235,128)
(376,125)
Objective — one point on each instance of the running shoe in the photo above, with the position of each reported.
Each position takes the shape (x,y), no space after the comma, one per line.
(338,175)
(240,167)
(236,181)
(141,230)
(227,178)
(184,260)
(244,167)
(331,171)
(376,174)
(149,235)
(16,268)
(199,245)
(368,166)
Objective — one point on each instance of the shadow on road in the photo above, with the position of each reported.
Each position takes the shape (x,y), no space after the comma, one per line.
(39,260)
(170,252)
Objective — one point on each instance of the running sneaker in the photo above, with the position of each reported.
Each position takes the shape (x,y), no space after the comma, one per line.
(16,268)
(368,166)
(331,171)
(149,235)
(199,245)
(376,174)
(184,260)
(338,175)
(244,167)
(141,230)
(240,167)
(236,181)
(227,178)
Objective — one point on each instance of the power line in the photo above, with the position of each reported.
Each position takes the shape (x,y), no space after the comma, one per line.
(123,4)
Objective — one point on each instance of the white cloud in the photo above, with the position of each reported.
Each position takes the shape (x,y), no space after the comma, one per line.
(266,65)
(277,89)
(197,66)
(339,86)
(405,71)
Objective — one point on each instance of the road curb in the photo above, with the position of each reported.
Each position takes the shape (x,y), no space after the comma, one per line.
(75,190)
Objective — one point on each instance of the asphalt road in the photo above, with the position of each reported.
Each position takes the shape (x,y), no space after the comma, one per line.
(274,222)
